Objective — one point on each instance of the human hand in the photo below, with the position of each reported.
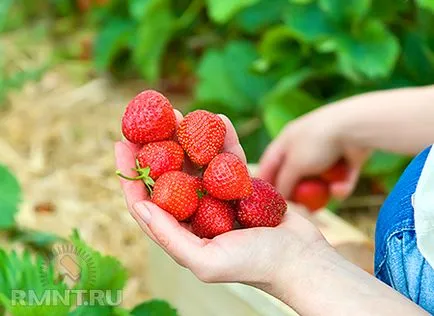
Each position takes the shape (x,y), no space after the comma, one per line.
(255,256)
(309,146)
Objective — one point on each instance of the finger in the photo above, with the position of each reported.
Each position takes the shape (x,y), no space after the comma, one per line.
(232,143)
(271,162)
(355,157)
(134,148)
(287,177)
(184,247)
(142,221)
(179,116)
(134,191)
(342,190)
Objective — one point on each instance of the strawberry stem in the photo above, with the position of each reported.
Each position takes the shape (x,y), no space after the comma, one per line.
(139,177)
(143,174)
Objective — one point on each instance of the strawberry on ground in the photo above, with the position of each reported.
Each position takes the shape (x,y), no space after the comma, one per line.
(213,217)
(202,135)
(161,157)
(176,193)
(312,193)
(227,178)
(264,208)
(149,117)
(338,173)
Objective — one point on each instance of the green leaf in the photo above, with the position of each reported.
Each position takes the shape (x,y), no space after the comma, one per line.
(277,46)
(259,16)
(345,10)
(281,107)
(239,59)
(138,8)
(23,272)
(426,4)
(92,311)
(308,23)
(112,39)
(301,1)
(418,57)
(292,81)
(153,36)
(36,239)
(10,197)
(154,308)
(212,73)
(382,163)
(231,70)
(221,11)
(372,53)
(99,272)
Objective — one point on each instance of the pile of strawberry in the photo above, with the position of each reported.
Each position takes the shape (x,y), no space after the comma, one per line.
(189,175)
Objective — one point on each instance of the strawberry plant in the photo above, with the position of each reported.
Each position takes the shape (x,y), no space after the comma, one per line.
(266,62)
(260,62)
(32,275)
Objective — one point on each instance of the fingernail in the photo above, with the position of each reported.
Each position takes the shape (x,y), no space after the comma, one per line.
(143,211)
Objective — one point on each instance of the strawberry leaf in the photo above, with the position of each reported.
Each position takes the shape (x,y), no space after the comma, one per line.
(154,308)
(99,272)
(10,196)
(22,283)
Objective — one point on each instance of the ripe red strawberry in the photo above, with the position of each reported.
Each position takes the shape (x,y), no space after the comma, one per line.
(227,178)
(264,208)
(338,173)
(213,217)
(175,192)
(202,135)
(312,193)
(149,117)
(161,157)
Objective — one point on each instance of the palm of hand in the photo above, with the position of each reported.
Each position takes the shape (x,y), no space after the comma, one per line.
(240,255)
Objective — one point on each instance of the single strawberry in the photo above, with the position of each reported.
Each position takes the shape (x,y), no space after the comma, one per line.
(312,193)
(161,157)
(202,135)
(338,173)
(227,178)
(149,117)
(213,217)
(264,208)
(176,193)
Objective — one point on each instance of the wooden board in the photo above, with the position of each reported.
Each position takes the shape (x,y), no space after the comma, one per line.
(191,297)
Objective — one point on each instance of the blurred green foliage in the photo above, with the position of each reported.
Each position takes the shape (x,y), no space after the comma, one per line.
(265,62)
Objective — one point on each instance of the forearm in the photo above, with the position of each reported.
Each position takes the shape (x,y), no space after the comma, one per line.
(326,284)
(400,120)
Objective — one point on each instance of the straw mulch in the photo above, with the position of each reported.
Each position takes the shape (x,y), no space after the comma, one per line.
(58,139)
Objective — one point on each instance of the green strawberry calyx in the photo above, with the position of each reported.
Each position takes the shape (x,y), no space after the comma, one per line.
(143,174)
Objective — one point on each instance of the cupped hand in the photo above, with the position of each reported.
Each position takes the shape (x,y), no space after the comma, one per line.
(307,147)
(255,256)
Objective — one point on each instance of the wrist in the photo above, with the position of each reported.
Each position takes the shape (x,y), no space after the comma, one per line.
(296,268)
